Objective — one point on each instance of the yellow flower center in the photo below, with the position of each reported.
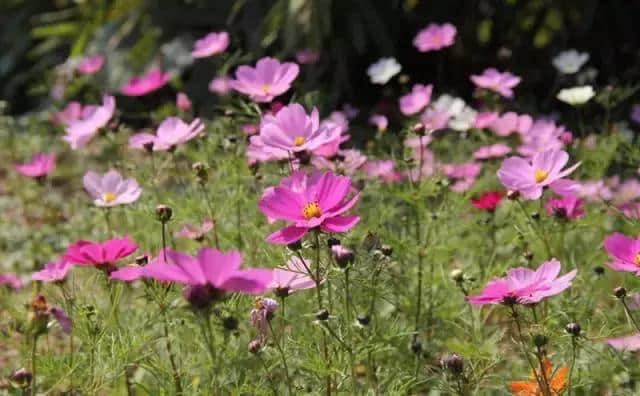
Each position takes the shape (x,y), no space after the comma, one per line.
(540,175)
(311,210)
(265,88)
(637,259)
(299,141)
(109,197)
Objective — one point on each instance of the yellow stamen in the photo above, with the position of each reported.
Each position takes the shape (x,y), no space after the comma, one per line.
(540,175)
(265,88)
(299,141)
(109,197)
(311,210)
(637,259)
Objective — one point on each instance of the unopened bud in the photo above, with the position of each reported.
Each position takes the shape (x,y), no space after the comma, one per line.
(163,213)
(457,275)
(254,346)
(21,378)
(573,329)
(540,340)
(200,170)
(453,363)
(386,250)
(620,292)
(322,315)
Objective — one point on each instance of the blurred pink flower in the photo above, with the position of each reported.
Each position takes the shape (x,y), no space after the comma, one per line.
(433,120)
(171,132)
(628,343)
(484,119)
(543,135)
(211,44)
(416,100)
(380,121)
(626,192)
(268,79)
(220,85)
(142,141)
(142,85)
(631,210)
(73,111)
(624,251)
(530,176)
(491,151)
(525,286)
(307,56)
(110,189)
(81,131)
(318,200)
(293,130)
(258,152)
(41,164)
(635,113)
(461,171)
(345,162)
(499,82)
(128,273)
(435,37)
(53,271)
(10,279)
(90,64)
(100,255)
(567,207)
(261,314)
(194,231)
(292,278)
(183,102)
(510,122)
(594,190)
(384,169)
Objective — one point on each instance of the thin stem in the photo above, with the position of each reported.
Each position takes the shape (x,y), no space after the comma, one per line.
(172,360)
(523,344)
(325,349)
(547,388)
(629,314)
(540,235)
(164,242)
(268,375)
(573,362)
(107,219)
(282,356)
(420,275)
(347,297)
(216,241)
(34,345)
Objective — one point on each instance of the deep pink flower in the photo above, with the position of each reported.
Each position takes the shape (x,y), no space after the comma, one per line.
(220,85)
(628,343)
(41,164)
(110,189)
(435,37)
(500,82)
(292,278)
(624,251)
(529,177)
(54,271)
(510,122)
(380,121)
(416,100)
(128,273)
(211,268)
(211,44)
(81,131)
(631,210)
(194,231)
(488,201)
(346,162)
(267,80)
(100,255)
(307,202)
(183,102)
(10,279)
(142,85)
(491,151)
(293,130)
(525,286)
(307,56)
(567,207)
(484,119)
(90,64)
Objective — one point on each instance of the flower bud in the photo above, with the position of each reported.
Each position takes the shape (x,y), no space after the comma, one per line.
(453,363)
(416,347)
(281,292)
(599,270)
(148,147)
(513,195)
(342,255)
(163,213)
(535,215)
(331,242)
(142,260)
(386,250)
(540,340)
(230,323)
(620,292)
(364,320)
(255,346)
(21,378)
(200,170)
(457,275)
(200,296)
(322,315)
(528,255)
(418,128)
(295,246)
(573,329)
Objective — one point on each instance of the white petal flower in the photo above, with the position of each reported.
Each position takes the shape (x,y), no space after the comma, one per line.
(383,70)
(577,95)
(569,62)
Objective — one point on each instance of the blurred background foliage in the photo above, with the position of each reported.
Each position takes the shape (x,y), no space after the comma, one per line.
(37,36)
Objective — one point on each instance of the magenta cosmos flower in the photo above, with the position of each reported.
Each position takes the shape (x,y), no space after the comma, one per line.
(171,132)
(183,102)
(435,37)
(308,202)
(211,44)
(90,64)
(268,79)
(624,251)
(40,165)
(491,151)
(530,176)
(212,269)
(140,86)
(293,130)
(525,286)
(110,189)
(292,278)
(416,100)
(100,255)
(567,207)
(499,82)
(82,130)
(10,279)
(53,271)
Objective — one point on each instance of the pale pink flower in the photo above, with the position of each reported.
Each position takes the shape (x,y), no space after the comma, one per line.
(307,56)
(194,231)
(384,169)
(628,343)
(220,85)
(81,131)
(90,64)
(211,44)
(594,190)
(292,278)
(73,111)
(416,100)
(171,132)
(499,82)
(491,151)
(53,271)
(380,122)
(11,280)
(257,151)
(485,119)
(435,37)
(345,162)
(142,141)
(142,85)
(434,120)
(41,165)
(111,188)
(183,102)
(510,122)
(268,79)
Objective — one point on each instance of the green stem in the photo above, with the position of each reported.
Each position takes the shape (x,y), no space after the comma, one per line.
(282,356)
(213,216)
(523,346)
(34,345)
(629,314)
(573,362)
(172,360)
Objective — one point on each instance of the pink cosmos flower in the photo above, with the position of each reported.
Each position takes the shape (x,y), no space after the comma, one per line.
(257,151)
(220,85)
(195,232)
(484,119)
(128,273)
(491,151)
(307,202)
(171,132)
(211,44)
(53,271)
(307,56)
(292,278)
(631,210)
(488,201)
(543,135)
(213,270)
(627,191)
(628,343)
(41,164)
(525,286)
(384,169)
(624,251)
(142,141)
(379,121)
(462,171)
(435,37)
(635,113)
(261,315)
(567,207)
(530,176)
(434,120)
(500,82)
(100,255)
(416,100)
(346,162)
(110,189)
(336,120)
(293,130)
(594,190)
(183,102)
(90,64)
(10,279)
(81,131)
(267,80)
(140,86)
(510,122)
(73,111)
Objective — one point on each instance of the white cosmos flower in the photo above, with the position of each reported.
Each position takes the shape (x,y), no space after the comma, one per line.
(453,106)
(383,70)
(569,62)
(577,95)
(463,121)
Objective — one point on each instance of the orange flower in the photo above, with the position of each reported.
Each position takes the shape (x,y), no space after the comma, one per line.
(557,382)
